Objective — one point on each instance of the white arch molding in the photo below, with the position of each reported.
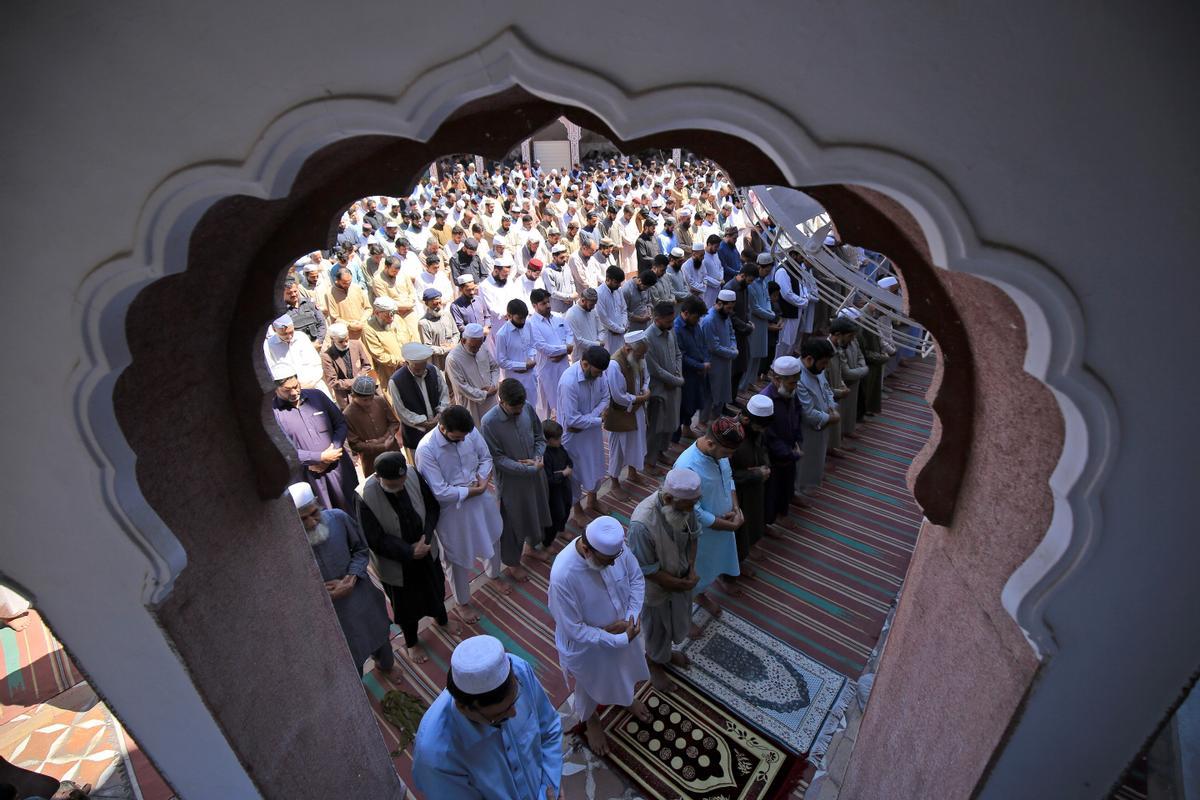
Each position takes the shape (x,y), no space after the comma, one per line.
(1053,319)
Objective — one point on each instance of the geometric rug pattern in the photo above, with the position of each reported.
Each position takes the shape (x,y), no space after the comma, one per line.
(767,683)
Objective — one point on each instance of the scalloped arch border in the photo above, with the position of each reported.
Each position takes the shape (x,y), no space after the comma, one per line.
(1053,317)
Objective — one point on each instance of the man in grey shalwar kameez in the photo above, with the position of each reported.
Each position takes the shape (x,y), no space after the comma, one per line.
(514,436)
(722,350)
(342,556)
(663,533)
(665,365)
(818,410)
(844,335)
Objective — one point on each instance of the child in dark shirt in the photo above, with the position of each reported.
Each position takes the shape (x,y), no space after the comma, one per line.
(557,463)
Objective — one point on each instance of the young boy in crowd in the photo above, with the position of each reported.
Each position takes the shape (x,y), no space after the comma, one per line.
(557,463)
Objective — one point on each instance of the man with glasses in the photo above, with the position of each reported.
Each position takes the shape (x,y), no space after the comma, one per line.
(595,596)
(492,733)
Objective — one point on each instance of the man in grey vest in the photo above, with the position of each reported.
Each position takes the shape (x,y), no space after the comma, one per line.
(663,532)
(398,514)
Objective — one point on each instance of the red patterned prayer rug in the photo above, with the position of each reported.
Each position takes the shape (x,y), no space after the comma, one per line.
(696,750)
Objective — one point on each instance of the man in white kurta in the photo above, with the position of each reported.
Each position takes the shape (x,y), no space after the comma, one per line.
(473,372)
(585,328)
(554,344)
(626,371)
(595,596)
(514,347)
(582,402)
(611,310)
(286,345)
(455,462)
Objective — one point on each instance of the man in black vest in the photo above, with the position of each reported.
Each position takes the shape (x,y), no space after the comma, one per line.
(793,297)
(305,315)
(418,393)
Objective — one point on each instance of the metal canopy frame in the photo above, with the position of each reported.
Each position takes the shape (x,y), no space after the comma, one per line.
(801,225)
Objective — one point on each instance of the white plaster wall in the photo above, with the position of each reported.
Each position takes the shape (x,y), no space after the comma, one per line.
(1068,132)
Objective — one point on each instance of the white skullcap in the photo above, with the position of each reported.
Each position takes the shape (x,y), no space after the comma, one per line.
(502,261)
(302,494)
(473,331)
(282,371)
(605,535)
(760,406)
(786,365)
(686,211)
(727,296)
(697,245)
(677,252)
(283,322)
(464,279)
(888,282)
(385,303)
(765,258)
(849,312)
(633,337)
(558,248)
(682,483)
(338,330)
(479,665)
(415,351)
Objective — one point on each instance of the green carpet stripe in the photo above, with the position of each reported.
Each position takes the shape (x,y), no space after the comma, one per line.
(825,605)
(510,644)
(865,492)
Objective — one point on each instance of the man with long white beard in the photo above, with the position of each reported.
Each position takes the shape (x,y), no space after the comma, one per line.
(663,532)
(629,390)
(342,557)
(595,596)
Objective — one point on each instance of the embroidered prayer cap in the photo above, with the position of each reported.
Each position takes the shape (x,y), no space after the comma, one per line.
(536,263)
(301,494)
(385,303)
(888,282)
(786,365)
(633,337)
(605,535)
(765,258)
(416,351)
(677,252)
(473,331)
(391,465)
(479,665)
(760,406)
(682,483)
(282,322)
(697,246)
(338,330)
(463,280)
(558,248)
(430,293)
(589,294)
(281,372)
(363,385)
(727,296)
(727,431)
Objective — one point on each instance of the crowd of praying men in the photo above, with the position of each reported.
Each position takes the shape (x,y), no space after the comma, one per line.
(474,366)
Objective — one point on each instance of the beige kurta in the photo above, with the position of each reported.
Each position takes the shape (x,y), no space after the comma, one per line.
(348,306)
(384,344)
(400,289)
(469,374)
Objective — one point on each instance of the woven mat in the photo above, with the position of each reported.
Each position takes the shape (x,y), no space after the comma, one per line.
(694,749)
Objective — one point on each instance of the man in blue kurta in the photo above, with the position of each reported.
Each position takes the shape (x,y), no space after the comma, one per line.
(317,429)
(721,343)
(694,354)
(342,556)
(717,511)
(491,734)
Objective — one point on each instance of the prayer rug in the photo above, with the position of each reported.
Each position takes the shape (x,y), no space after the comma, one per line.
(763,680)
(36,668)
(694,749)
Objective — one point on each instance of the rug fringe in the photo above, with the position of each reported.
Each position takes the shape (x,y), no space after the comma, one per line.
(834,722)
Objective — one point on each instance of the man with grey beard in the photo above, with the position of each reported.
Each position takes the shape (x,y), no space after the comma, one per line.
(663,533)
(342,557)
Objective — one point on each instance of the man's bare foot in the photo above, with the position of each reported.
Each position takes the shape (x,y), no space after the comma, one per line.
(800,501)
(663,458)
(772,532)
(660,680)
(538,555)
(616,492)
(19,623)
(680,659)
(731,588)
(709,605)
(518,573)
(595,507)
(851,435)
(836,453)
(597,741)
(748,571)
(502,586)
(578,516)
(416,654)
(467,614)
(638,709)
(695,631)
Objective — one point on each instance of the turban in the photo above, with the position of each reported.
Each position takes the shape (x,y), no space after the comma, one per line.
(473,331)
(682,483)
(364,385)
(479,665)
(415,351)
(302,494)
(765,258)
(888,282)
(281,372)
(786,365)
(283,322)
(391,465)
(385,303)
(633,337)
(726,431)
(760,406)
(605,535)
